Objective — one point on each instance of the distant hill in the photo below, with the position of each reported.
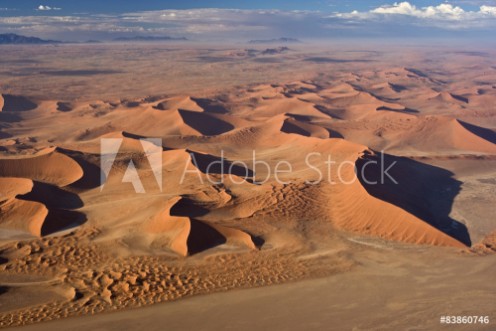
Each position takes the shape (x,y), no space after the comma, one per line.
(149,38)
(273,51)
(272,41)
(12,38)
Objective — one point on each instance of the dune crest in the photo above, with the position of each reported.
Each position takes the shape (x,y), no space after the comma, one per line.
(50,167)
(20,215)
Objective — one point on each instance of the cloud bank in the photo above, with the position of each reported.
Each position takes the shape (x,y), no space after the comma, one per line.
(400,19)
(444,15)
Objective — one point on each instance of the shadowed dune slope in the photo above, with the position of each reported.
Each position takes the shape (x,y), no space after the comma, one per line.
(422,190)
(15,103)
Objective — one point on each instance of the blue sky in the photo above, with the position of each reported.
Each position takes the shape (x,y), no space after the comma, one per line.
(240,20)
(28,7)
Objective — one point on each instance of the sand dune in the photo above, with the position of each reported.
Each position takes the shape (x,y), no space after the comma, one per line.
(121,232)
(11,187)
(305,129)
(23,216)
(209,125)
(369,216)
(176,103)
(283,105)
(170,230)
(449,97)
(20,215)
(47,166)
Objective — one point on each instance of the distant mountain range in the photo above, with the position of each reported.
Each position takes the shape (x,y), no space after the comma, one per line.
(15,39)
(149,38)
(12,38)
(272,41)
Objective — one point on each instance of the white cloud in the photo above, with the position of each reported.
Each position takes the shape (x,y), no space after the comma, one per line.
(445,11)
(445,16)
(489,10)
(43,7)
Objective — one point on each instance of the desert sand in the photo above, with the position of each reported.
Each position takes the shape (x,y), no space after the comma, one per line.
(346,244)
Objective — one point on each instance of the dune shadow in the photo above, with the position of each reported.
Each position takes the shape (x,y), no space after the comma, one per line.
(484,133)
(15,103)
(187,207)
(210,106)
(334,134)
(53,196)
(289,127)
(406,110)
(7,117)
(459,98)
(300,118)
(60,219)
(397,87)
(417,72)
(205,124)
(4,135)
(60,204)
(64,106)
(3,289)
(203,237)
(131,104)
(211,164)
(257,240)
(423,190)
(93,176)
(333,113)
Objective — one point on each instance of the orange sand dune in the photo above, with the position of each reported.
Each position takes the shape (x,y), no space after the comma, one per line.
(294,126)
(48,166)
(367,215)
(171,231)
(20,215)
(185,103)
(23,216)
(448,97)
(126,232)
(273,107)
(11,187)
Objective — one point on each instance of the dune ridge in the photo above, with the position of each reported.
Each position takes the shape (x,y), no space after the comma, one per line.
(194,229)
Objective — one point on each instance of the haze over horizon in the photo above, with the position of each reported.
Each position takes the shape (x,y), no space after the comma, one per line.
(224,20)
